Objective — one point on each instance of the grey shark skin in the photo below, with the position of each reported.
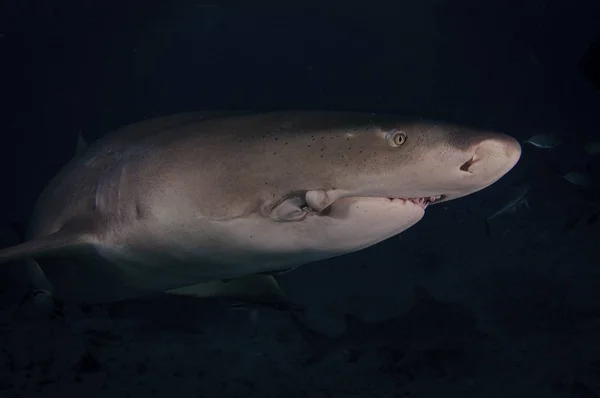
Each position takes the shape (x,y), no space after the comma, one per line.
(186,199)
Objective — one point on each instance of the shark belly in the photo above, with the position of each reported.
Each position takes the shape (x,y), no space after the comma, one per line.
(157,257)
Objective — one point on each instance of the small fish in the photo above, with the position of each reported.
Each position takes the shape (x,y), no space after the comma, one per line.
(518,202)
(593,148)
(544,141)
(579,179)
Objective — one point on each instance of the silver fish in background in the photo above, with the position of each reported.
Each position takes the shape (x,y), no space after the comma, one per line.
(544,141)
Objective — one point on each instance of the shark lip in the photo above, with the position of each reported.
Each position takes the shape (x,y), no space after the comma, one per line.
(422,201)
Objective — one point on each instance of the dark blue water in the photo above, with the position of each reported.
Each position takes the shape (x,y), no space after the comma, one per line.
(533,287)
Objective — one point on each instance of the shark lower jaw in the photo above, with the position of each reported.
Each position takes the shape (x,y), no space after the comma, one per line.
(421,201)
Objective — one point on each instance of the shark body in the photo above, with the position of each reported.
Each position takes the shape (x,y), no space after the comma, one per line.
(194,199)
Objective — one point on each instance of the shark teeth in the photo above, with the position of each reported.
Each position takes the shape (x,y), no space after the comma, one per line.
(423,202)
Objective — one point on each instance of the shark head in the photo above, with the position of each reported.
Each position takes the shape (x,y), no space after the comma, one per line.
(427,161)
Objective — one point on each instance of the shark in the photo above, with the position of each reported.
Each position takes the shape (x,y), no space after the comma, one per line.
(216,204)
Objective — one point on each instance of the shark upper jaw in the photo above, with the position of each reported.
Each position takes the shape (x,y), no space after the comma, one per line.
(423,202)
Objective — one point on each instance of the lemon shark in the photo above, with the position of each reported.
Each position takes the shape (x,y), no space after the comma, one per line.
(215,204)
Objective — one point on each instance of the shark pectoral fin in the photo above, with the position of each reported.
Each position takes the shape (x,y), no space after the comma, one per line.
(289,209)
(253,289)
(77,232)
(319,200)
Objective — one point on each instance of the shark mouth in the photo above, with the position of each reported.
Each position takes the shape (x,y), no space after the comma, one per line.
(422,202)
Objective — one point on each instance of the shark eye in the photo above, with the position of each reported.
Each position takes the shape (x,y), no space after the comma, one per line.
(396,138)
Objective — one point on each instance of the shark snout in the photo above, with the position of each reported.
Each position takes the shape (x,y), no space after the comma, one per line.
(492,157)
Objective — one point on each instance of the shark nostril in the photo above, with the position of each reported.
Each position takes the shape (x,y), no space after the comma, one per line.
(467,165)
